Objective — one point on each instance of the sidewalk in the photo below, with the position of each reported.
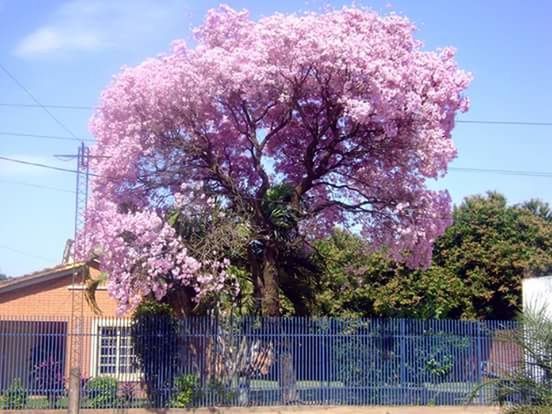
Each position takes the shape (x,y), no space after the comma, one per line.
(283,410)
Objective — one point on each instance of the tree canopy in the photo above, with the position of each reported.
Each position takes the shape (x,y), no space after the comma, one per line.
(477,268)
(491,247)
(337,118)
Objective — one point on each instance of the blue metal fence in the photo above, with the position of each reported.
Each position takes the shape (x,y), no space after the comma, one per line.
(253,362)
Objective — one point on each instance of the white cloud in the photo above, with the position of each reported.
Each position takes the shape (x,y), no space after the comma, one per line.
(89,25)
(48,39)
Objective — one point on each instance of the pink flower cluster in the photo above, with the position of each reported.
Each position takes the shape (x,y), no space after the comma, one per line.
(144,256)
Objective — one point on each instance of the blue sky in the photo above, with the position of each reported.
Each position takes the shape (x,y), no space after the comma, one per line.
(65,52)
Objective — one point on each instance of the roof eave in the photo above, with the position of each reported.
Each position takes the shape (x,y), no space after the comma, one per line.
(39,277)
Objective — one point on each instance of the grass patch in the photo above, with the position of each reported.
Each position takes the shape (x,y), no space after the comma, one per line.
(302,385)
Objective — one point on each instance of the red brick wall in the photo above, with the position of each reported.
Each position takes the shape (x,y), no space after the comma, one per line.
(51,301)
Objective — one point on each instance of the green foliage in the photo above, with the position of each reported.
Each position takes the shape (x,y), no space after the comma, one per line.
(538,208)
(15,397)
(221,233)
(477,268)
(439,367)
(297,271)
(379,356)
(491,246)
(238,303)
(358,283)
(154,336)
(434,293)
(529,410)
(101,392)
(220,393)
(350,276)
(277,208)
(186,390)
(150,308)
(476,273)
(3,277)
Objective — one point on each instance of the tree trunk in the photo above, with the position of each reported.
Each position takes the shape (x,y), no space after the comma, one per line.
(270,306)
(287,379)
(180,300)
(270,294)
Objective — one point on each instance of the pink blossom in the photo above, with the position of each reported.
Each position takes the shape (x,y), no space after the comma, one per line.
(344,105)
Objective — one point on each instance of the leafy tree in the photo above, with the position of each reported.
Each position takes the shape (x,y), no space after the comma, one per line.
(350,276)
(337,118)
(357,282)
(538,208)
(3,277)
(491,247)
(434,293)
(477,268)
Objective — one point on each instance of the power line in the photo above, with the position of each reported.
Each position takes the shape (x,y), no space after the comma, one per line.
(37,164)
(21,252)
(460,121)
(23,105)
(485,122)
(55,137)
(45,187)
(36,101)
(503,172)
(545,174)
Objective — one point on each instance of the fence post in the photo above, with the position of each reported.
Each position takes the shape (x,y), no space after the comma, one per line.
(74,391)
(479,362)
(402,339)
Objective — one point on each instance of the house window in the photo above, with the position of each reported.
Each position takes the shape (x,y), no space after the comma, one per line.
(114,353)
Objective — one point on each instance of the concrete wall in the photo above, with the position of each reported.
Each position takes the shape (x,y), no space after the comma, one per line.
(537,294)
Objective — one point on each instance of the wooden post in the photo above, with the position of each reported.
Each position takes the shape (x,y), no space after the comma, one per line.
(74,391)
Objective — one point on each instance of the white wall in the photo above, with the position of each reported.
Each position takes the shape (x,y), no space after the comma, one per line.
(537,294)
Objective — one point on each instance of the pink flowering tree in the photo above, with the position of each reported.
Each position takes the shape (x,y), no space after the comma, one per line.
(344,110)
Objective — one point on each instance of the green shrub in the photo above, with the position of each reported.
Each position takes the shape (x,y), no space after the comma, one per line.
(101,392)
(530,410)
(154,333)
(186,389)
(220,394)
(15,397)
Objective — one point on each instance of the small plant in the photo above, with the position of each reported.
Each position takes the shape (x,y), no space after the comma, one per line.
(15,397)
(222,395)
(101,392)
(186,390)
(126,392)
(439,367)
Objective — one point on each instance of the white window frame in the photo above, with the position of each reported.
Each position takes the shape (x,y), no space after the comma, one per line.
(95,349)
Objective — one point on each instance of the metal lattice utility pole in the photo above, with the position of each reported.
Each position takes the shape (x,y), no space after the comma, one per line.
(77,296)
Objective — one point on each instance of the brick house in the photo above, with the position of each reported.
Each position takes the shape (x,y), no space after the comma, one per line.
(35,327)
